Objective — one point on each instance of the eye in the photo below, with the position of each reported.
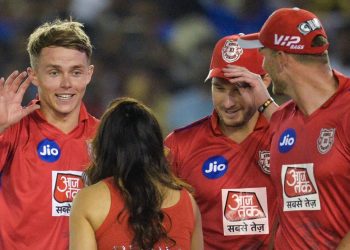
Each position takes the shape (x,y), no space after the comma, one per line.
(77,73)
(219,87)
(53,73)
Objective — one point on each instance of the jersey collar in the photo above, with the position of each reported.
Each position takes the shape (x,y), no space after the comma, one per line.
(214,122)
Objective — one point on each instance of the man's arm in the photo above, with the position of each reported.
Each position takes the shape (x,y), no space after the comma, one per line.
(344,243)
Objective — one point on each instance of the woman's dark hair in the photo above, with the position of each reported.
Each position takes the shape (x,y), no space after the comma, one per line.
(129,146)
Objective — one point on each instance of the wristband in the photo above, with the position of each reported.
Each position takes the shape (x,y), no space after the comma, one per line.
(263,106)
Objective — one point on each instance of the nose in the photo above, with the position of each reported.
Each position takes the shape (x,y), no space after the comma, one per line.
(229,100)
(65,81)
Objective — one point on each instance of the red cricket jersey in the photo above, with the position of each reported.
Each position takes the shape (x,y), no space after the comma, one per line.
(116,234)
(41,173)
(235,196)
(310,167)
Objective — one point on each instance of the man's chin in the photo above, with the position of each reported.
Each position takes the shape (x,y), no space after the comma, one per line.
(234,124)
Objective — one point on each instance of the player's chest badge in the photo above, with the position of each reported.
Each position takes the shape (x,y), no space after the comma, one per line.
(325,140)
(264,161)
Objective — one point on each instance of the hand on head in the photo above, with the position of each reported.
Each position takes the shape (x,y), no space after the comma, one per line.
(243,77)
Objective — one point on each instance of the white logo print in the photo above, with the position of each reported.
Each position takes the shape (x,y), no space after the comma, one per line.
(325,140)
(288,41)
(231,51)
(308,26)
(300,191)
(264,161)
(245,211)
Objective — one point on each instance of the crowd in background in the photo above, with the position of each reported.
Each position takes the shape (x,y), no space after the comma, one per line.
(158,51)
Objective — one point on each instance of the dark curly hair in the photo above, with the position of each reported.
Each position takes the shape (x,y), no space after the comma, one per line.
(129,146)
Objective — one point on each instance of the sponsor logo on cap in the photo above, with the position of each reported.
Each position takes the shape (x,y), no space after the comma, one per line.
(231,51)
(308,26)
(288,41)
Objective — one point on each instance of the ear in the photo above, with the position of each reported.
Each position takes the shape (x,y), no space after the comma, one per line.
(283,60)
(90,72)
(267,80)
(31,72)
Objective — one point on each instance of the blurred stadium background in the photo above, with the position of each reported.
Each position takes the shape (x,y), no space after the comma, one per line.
(158,51)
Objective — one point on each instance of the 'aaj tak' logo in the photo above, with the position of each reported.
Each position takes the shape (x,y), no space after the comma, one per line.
(67,186)
(243,206)
(297,182)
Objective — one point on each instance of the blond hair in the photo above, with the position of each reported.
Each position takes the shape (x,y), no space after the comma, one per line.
(66,33)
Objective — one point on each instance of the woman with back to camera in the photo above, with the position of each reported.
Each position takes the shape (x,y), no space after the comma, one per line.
(133,201)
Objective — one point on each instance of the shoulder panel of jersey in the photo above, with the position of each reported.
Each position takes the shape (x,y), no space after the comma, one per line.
(280,114)
(180,138)
(193,124)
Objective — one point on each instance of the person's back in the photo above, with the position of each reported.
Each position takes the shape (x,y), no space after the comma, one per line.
(105,202)
(134,200)
(43,154)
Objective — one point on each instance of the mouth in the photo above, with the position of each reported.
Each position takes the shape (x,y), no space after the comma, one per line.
(64,97)
(231,111)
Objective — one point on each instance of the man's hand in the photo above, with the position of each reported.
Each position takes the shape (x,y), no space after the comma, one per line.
(239,75)
(11,96)
(248,81)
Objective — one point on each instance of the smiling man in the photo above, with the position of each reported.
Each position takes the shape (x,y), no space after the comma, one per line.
(226,157)
(44,146)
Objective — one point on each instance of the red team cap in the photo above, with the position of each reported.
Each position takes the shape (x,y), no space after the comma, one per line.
(228,52)
(290,30)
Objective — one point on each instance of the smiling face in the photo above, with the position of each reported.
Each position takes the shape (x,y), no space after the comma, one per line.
(235,106)
(61,75)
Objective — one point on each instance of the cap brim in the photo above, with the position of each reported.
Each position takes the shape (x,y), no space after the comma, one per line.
(217,72)
(250,41)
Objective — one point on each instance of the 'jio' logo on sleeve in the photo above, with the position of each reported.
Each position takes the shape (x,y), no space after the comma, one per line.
(215,167)
(48,150)
(287,140)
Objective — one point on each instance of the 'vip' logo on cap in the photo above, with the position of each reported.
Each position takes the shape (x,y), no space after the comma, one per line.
(288,41)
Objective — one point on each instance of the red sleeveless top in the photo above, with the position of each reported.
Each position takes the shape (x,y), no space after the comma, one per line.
(114,232)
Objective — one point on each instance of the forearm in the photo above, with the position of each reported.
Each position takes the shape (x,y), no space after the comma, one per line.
(344,243)
(269,110)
